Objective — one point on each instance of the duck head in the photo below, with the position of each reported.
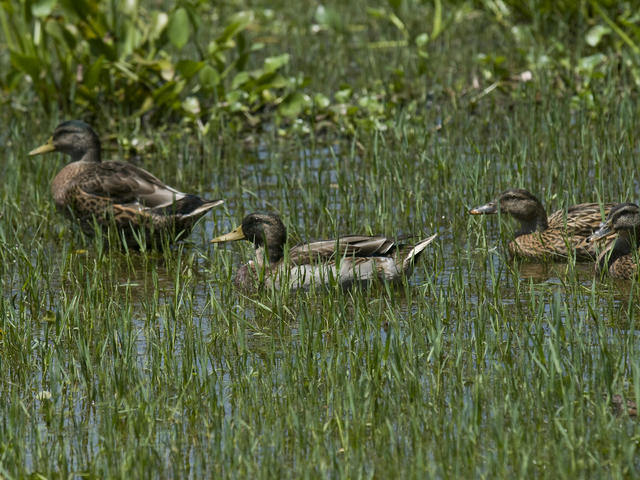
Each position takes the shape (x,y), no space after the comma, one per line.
(74,138)
(624,220)
(265,230)
(520,204)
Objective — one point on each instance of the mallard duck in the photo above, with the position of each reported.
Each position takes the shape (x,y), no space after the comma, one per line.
(553,238)
(619,260)
(116,193)
(348,259)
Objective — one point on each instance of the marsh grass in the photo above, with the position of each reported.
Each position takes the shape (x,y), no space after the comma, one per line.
(150,364)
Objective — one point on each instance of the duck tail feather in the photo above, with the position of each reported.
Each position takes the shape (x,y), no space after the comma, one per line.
(416,251)
(204,207)
(188,206)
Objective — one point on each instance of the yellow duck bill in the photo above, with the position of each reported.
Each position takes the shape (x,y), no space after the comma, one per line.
(235,234)
(46,148)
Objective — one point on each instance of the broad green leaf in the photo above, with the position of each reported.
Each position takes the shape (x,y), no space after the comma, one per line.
(272,64)
(92,74)
(240,79)
(343,96)
(321,15)
(330,18)
(587,64)
(168,93)
(99,47)
(147,105)
(84,95)
(28,64)
(84,9)
(422,40)
(159,21)
(271,80)
(236,100)
(56,33)
(238,22)
(595,34)
(129,7)
(42,8)
(191,105)
(131,41)
(395,4)
(188,68)
(209,77)
(179,28)
(294,104)
(321,101)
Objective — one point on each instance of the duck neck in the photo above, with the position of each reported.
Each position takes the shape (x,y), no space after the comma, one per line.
(90,155)
(268,256)
(536,224)
(622,246)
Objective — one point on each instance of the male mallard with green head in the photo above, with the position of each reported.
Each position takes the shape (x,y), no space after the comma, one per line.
(117,193)
(620,259)
(347,260)
(553,238)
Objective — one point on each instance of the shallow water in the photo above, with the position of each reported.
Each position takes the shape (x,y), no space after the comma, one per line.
(454,290)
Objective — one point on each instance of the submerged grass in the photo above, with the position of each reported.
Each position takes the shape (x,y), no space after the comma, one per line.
(123,364)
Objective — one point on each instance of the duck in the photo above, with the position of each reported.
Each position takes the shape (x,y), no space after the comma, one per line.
(142,208)
(347,260)
(543,238)
(619,260)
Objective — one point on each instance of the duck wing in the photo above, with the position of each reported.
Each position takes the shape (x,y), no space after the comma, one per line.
(125,183)
(582,219)
(347,246)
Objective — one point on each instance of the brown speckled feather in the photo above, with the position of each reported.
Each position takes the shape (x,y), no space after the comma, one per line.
(553,238)
(552,244)
(117,194)
(582,219)
(624,267)
(567,232)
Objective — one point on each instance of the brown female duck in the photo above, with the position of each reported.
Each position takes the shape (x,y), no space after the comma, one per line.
(620,259)
(348,259)
(142,208)
(554,237)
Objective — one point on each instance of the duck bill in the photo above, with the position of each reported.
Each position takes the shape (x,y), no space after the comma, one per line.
(46,148)
(488,209)
(236,234)
(603,231)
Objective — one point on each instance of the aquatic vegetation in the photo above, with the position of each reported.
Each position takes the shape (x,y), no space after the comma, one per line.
(151,364)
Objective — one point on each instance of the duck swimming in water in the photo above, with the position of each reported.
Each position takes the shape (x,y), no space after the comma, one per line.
(139,205)
(542,238)
(348,259)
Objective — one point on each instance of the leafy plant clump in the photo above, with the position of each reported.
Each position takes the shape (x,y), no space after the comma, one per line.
(199,62)
(95,55)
